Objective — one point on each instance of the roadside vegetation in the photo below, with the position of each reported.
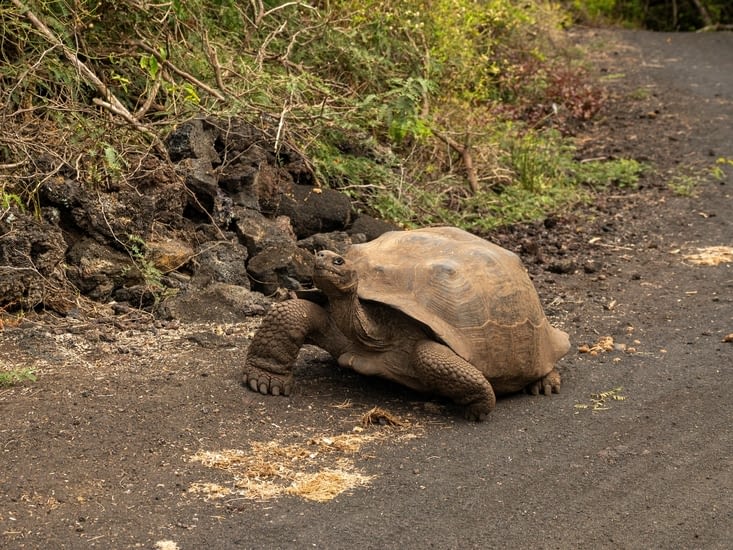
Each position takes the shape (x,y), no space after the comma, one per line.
(423,111)
(658,15)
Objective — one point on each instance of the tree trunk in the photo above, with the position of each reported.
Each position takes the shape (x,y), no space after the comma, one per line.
(704,15)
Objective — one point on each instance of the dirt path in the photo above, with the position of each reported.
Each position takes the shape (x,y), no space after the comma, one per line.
(138,435)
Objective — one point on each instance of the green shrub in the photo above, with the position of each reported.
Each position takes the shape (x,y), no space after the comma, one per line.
(388,100)
(661,15)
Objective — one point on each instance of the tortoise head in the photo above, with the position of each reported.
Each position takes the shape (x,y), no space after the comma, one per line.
(334,274)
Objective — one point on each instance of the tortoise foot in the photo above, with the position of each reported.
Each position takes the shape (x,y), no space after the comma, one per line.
(548,384)
(478,411)
(267,382)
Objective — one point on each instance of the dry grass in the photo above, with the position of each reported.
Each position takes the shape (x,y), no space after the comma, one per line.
(326,484)
(711,255)
(318,469)
(380,417)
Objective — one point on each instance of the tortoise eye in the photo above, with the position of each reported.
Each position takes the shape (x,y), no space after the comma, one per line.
(338,261)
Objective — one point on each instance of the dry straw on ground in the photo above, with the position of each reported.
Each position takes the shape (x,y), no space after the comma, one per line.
(318,469)
(711,255)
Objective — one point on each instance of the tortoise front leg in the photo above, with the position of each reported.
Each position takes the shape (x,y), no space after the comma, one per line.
(447,374)
(269,364)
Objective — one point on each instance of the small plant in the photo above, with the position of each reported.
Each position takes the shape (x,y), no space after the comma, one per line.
(684,185)
(16,376)
(534,158)
(640,94)
(9,200)
(136,247)
(404,113)
(718,170)
(600,174)
(112,162)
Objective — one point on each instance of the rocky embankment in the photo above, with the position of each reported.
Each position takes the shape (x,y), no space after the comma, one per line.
(229,221)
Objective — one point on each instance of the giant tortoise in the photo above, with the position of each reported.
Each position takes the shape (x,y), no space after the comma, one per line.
(438,309)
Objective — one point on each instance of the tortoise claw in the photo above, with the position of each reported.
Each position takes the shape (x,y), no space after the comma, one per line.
(267,383)
(478,411)
(548,384)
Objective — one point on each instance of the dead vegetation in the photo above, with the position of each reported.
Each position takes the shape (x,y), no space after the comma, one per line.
(317,468)
(710,256)
(600,401)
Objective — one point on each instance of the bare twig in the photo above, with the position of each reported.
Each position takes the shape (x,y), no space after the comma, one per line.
(259,9)
(214,60)
(140,113)
(465,152)
(12,165)
(124,113)
(110,101)
(180,72)
(704,15)
(262,53)
(281,123)
(716,27)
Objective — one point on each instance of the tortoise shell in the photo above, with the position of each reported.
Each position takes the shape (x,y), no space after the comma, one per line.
(474,296)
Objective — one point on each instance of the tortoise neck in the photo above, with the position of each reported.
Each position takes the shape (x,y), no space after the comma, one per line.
(351,317)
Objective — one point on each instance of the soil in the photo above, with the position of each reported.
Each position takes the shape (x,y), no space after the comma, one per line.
(138,434)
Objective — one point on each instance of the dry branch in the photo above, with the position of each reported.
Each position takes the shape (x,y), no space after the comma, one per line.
(180,72)
(214,60)
(704,15)
(124,113)
(465,152)
(145,107)
(110,102)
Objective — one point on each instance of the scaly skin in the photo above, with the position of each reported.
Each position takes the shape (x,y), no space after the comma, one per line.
(269,364)
(288,325)
(372,338)
(447,374)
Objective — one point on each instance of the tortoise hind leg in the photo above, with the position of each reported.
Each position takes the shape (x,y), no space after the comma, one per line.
(548,384)
(447,374)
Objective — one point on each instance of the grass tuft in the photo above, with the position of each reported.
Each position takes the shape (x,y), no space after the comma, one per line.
(16,376)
